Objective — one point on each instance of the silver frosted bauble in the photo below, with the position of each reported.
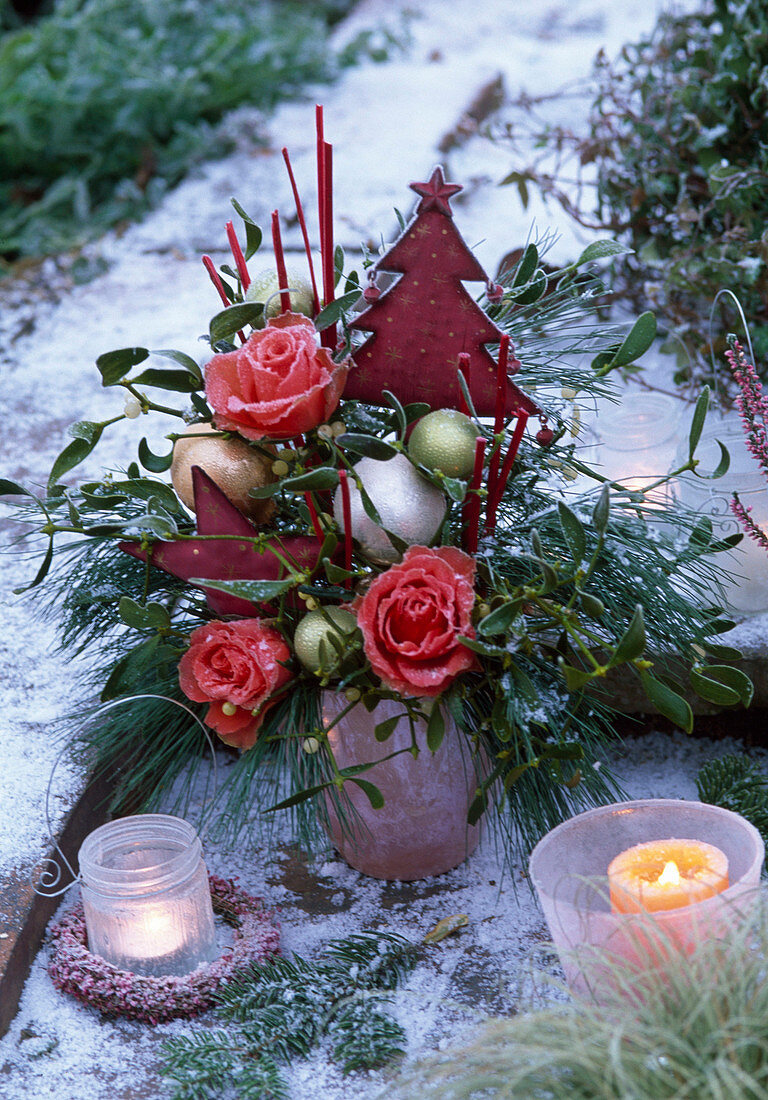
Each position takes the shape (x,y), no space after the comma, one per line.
(409,506)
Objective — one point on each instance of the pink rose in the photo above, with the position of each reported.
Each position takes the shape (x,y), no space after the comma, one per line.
(279,384)
(411,618)
(236,668)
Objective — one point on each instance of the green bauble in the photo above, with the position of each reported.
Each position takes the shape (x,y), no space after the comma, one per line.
(265,288)
(444,440)
(313,640)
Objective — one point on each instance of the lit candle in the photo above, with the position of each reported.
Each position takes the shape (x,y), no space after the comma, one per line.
(666,874)
(146,897)
(157,934)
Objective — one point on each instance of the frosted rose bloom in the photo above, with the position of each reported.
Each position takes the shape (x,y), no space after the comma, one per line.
(235,664)
(411,618)
(279,384)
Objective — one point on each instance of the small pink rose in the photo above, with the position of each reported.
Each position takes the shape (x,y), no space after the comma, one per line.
(236,668)
(279,384)
(412,616)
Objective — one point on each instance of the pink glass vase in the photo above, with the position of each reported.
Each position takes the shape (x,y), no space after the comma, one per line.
(422,827)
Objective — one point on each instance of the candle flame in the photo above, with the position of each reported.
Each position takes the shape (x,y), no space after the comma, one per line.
(670,876)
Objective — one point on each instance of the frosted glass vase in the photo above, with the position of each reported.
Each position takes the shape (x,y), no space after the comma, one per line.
(422,827)
(569,865)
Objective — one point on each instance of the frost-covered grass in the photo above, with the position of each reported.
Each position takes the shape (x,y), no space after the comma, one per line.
(105,104)
(695,1028)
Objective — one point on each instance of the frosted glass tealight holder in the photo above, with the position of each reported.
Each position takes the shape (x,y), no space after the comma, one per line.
(146,896)
(743,570)
(568,868)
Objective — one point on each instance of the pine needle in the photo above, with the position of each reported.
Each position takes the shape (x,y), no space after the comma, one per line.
(281,1010)
(736,783)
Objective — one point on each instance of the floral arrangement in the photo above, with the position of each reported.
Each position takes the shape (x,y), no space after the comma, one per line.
(367,515)
(154,1000)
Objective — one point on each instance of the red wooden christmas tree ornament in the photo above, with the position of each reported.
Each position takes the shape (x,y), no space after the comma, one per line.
(421,324)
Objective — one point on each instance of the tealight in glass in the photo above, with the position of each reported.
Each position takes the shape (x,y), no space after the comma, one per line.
(146,896)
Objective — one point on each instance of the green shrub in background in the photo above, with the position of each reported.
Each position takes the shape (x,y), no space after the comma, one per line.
(104,104)
(679,134)
(675,142)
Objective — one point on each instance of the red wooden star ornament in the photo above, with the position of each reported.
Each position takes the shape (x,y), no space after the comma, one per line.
(436,193)
(225,559)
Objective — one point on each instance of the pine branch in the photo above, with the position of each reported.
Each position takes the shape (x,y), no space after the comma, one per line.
(736,783)
(374,961)
(364,1038)
(207,1064)
(279,1011)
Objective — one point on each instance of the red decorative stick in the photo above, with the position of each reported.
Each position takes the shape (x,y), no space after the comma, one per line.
(239,258)
(498,419)
(328,335)
(472,502)
(214,277)
(328,246)
(282,277)
(319,129)
(313,516)
(464,367)
(346,512)
(496,491)
(304,233)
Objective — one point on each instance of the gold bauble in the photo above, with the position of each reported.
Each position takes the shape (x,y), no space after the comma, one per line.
(312,641)
(265,287)
(233,464)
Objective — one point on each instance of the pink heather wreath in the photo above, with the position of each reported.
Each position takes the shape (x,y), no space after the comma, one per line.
(74,969)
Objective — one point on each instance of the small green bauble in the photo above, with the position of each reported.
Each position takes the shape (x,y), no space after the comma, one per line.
(444,440)
(266,288)
(313,641)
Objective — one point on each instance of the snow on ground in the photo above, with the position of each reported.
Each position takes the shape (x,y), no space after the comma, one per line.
(59,1049)
(386,122)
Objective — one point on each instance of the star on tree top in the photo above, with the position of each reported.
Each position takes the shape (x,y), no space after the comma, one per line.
(436,193)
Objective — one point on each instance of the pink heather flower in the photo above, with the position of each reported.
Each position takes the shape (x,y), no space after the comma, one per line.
(746,521)
(751,403)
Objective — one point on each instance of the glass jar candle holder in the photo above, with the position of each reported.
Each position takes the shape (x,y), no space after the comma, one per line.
(146,896)
(744,574)
(635,442)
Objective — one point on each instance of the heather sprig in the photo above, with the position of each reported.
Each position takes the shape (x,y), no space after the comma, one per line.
(752,403)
